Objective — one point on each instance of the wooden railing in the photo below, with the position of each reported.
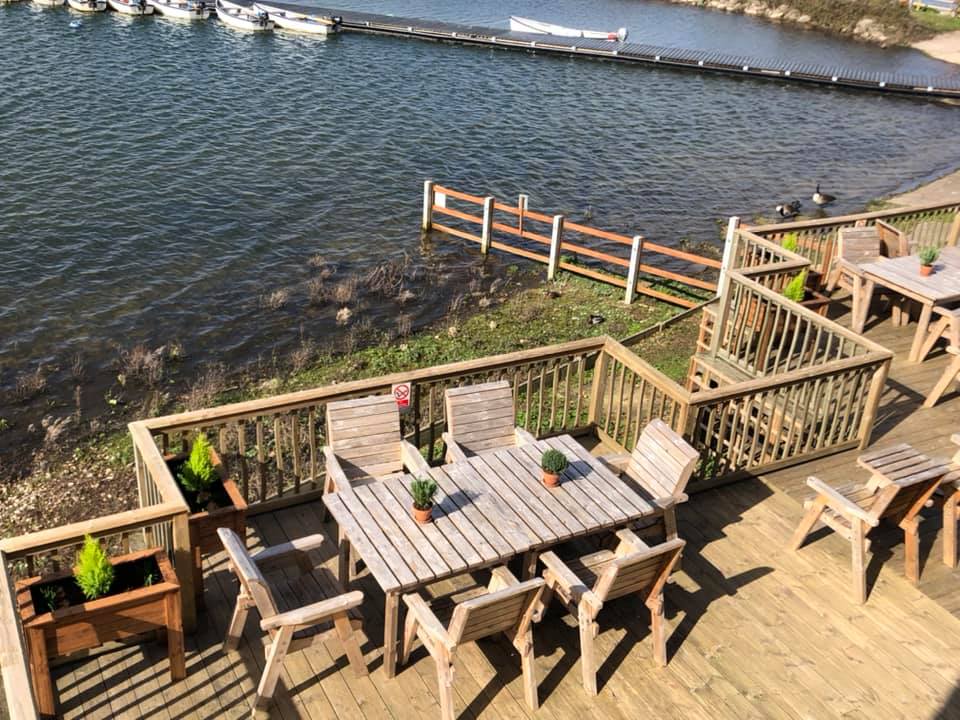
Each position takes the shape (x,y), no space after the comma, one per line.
(816,239)
(14,665)
(629,262)
(765,261)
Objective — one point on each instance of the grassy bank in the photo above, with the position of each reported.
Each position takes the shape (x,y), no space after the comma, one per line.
(92,475)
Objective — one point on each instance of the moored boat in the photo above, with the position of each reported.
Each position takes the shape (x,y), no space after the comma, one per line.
(50,3)
(299,22)
(182,9)
(88,5)
(519,24)
(241,17)
(131,7)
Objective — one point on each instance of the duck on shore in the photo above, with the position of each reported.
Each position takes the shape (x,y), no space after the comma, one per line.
(821,198)
(789,210)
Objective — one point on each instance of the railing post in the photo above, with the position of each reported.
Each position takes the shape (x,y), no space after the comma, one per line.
(597,386)
(729,244)
(522,202)
(15,680)
(427,221)
(556,238)
(487,232)
(634,269)
(184,565)
(877,384)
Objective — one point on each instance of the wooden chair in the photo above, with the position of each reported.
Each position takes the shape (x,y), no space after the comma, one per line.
(507,607)
(290,628)
(951,508)
(364,443)
(855,246)
(585,584)
(897,494)
(659,467)
(947,326)
(893,242)
(950,374)
(480,419)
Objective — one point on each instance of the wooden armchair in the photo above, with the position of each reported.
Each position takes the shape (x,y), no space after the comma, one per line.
(855,246)
(364,443)
(585,584)
(480,419)
(898,495)
(659,467)
(507,607)
(290,628)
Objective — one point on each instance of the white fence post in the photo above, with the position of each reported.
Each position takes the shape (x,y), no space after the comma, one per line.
(556,238)
(427,221)
(487,232)
(634,269)
(729,244)
(522,202)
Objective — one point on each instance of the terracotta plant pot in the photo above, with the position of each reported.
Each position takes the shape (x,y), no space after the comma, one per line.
(550,479)
(926,270)
(86,624)
(423,516)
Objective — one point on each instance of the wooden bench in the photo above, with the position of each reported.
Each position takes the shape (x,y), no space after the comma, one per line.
(585,584)
(480,419)
(507,607)
(290,628)
(901,483)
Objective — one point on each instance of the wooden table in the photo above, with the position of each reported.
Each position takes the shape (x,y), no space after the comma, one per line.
(902,275)
(491,508)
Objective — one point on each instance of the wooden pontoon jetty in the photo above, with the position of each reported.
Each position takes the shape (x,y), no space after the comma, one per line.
(640,53)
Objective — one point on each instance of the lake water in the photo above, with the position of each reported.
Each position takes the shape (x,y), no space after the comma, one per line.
(157,179)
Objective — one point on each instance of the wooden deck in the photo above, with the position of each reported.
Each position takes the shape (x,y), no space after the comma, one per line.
(755,630)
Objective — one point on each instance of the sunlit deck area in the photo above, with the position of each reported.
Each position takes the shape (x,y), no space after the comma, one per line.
(755,630)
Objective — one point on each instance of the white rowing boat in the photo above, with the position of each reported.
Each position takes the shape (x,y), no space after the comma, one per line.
(300,22)
(88,5)
(50,3)
(241,17)
(131,7)
(182,9)
(519,24)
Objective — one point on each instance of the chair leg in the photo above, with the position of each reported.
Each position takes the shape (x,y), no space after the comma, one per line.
(348,638)
(951,518)
(528,666)
(949,375)
(409,636)
(806,524)
(543,604)
(445,678)
(239,619)
(658,631)
(911,542)
(858,541)
(588,651)
(936,332)
(833,279)
(271,671)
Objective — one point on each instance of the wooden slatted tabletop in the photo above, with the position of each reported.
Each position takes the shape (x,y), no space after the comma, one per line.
(490,509)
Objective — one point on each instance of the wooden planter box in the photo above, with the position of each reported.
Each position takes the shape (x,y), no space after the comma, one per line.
(90,624)
(204,523)
(817,302)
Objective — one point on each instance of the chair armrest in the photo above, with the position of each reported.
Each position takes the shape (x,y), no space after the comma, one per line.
(631,540)
(669,501)
(841,504)
(564,576)
(412,459)
(418,607)
(334,470)
(452,448)
(502,578)
(523,437)
(277,553)
(617,462)
(314,613)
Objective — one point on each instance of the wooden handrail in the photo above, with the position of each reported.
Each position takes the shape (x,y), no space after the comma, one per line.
(155,465)
(305,398)
(46,540)
(641,367)
(14,669)
(847,219)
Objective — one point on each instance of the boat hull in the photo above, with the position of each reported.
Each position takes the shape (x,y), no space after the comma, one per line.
(526,25)
(298,22)
(87,6)
(181,10)
(240,18)
(50,3)
(130,8)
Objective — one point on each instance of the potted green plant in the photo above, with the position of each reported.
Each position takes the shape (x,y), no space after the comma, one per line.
(215,501)
(101,600)
(928,256)
(799,290)
(423,489)
(552,462)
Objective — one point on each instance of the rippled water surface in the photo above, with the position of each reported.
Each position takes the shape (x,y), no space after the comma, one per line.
(157,179)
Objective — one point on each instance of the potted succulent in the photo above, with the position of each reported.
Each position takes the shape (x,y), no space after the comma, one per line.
(215,500)
(552,462)
(423,489)
(928,256)
(101,600)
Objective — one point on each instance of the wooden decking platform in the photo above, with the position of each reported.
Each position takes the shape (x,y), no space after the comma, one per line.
(755,630)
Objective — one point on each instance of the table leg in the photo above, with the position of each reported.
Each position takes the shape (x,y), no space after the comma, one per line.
(923,325)
(343,562)
(529,568)
(862,296)
(391,624)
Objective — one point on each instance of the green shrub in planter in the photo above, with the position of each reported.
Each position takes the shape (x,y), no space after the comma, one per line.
(93,573)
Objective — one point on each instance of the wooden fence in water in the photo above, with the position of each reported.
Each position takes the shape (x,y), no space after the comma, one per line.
(629,262)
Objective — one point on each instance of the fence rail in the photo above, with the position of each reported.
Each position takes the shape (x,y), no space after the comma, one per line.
(629,262)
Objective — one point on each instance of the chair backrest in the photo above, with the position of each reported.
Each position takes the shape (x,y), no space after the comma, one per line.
(365,435)
(906,497)
(507,610)
(858,243)
(662,461)
(251,579)
(893,242)
(644,570)
(480,417)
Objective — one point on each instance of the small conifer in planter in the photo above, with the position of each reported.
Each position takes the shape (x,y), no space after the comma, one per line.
(928,256)
(553,462)
(93,573)
(424,490)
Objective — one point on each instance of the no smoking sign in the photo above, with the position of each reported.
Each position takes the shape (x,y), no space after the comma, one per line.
(401,393)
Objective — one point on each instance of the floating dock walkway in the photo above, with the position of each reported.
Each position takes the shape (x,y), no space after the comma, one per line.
(700,60)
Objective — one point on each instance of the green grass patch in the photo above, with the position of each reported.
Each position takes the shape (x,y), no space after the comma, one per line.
(938,22)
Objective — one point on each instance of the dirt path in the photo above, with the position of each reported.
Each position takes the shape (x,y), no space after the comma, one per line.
(945,46)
